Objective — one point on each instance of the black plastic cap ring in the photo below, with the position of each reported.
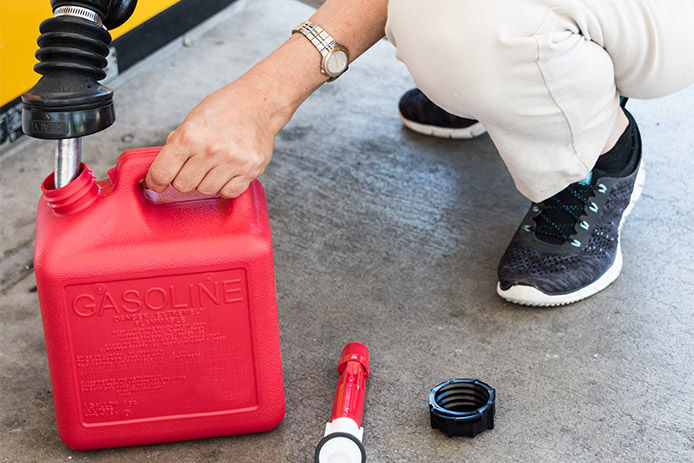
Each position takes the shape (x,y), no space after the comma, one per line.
(462,407)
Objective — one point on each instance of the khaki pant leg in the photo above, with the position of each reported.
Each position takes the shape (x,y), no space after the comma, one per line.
(542,75)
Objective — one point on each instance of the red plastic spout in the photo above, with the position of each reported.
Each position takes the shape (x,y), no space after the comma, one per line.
(351,385)
(75,196)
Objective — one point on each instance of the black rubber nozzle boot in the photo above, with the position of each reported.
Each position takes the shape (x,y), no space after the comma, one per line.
(68,101)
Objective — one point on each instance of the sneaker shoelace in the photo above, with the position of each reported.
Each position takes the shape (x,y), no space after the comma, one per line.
(558,215)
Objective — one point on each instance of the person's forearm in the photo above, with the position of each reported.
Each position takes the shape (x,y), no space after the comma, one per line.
(292,72)
(227,140)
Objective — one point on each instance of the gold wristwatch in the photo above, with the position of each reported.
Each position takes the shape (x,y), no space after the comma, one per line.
(335,56)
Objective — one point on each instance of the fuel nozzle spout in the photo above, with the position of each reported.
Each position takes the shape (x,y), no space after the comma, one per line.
(344,433)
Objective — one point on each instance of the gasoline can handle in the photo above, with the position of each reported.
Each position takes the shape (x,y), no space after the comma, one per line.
(132,167)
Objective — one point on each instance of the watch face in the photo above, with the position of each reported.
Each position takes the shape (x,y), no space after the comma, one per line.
(336,62)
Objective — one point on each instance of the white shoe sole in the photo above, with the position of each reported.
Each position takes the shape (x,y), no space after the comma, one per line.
(473,131)
(529,295)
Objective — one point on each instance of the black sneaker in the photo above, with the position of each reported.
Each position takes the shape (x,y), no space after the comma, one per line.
(418,113)
(567,247)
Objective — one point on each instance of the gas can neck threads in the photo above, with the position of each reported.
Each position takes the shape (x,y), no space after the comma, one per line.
(75,196)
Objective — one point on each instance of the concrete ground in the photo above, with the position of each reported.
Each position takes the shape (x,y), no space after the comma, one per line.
(392,238)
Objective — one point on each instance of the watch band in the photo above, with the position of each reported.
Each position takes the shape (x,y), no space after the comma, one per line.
(317,36)
(324,43)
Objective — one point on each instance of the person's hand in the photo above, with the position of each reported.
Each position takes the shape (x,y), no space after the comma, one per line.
(222,145)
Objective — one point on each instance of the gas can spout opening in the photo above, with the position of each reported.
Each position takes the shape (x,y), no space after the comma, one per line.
(73,197)
(48,183)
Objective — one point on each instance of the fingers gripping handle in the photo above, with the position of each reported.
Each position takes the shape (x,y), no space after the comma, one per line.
(131,171)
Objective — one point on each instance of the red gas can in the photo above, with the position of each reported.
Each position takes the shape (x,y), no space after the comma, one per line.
(160,319)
